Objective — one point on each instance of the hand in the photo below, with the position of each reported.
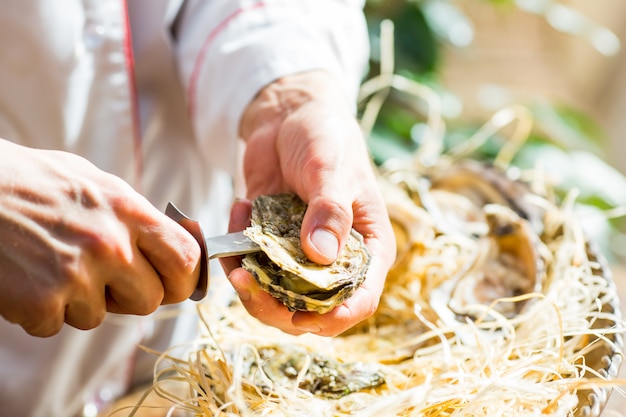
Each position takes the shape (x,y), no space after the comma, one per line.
(302,137)
(76,242)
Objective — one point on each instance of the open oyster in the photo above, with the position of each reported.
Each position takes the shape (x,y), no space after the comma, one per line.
(511,265)
(282,268)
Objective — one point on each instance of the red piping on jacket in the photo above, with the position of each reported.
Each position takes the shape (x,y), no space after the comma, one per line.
(195,74)
(137,151)
(130,69)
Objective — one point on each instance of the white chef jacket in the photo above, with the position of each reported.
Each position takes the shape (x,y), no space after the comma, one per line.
(161,110)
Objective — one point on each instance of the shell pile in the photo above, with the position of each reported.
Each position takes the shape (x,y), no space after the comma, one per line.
(496,305)
(282,268)
(482,209)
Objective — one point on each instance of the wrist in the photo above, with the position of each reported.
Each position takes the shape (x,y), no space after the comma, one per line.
(275,102)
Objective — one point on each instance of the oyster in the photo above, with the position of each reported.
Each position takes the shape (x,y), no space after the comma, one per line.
(511,266)
(485,184)
(324,376)
(282,268)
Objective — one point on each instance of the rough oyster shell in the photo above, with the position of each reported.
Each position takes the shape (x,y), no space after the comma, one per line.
(283,269)
(321,375)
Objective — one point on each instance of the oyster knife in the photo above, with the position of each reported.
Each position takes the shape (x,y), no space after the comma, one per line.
(231,244)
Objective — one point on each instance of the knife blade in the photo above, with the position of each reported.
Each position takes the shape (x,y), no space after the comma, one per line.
(230,244)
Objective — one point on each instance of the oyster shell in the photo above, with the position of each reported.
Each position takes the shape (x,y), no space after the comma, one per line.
(485,184)
(512,265)
(282,268)
(289,366)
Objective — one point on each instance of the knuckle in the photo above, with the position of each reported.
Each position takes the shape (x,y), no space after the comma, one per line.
(41,330)
(187,260)
(173,297)
(45,303)
(102,242)
(87,320)
(73,276)
(148,304)
(45,315)
(334,208)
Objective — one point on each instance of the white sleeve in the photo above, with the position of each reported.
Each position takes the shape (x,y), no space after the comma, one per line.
(228,50)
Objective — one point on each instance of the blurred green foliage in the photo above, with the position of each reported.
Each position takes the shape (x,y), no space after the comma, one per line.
(564,139)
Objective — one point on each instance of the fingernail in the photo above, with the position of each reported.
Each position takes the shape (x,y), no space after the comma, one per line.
(326,243)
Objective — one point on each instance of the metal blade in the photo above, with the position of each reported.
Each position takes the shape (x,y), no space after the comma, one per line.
(231,244)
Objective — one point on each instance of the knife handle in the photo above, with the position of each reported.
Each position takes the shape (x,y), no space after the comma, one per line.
(195,229)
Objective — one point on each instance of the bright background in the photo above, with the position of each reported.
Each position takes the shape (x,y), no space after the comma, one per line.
(565,60)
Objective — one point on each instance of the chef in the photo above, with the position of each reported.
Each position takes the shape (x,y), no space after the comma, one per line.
(108,110)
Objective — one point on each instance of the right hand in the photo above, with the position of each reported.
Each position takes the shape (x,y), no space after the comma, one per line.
(76,242)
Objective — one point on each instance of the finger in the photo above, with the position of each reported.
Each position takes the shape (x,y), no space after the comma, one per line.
(363,303)
(42,310)
(173,253)
(325,227)
(138,290)
(260,304)
(360,306)
(86,313)
(45,316)
(43,328)
(86,304)
(330,187)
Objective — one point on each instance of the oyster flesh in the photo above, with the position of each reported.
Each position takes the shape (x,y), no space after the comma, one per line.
(282,268)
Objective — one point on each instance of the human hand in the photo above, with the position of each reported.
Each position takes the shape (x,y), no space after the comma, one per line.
(302,137)
(76,242)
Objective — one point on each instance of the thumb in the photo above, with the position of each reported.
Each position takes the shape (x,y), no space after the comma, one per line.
(325,228)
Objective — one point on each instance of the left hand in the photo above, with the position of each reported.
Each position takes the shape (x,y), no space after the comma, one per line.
(302,137)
